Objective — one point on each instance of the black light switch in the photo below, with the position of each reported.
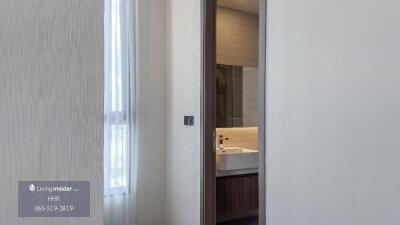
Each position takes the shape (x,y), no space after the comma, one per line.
(188,120)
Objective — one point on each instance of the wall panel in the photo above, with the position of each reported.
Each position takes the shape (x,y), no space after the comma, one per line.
(332,112)
(51,105)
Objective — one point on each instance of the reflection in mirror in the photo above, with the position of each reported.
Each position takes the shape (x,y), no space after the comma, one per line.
(236,96)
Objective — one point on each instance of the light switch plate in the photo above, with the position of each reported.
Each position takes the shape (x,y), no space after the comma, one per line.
(188,120)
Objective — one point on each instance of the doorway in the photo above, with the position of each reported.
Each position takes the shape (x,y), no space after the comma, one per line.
(215,112)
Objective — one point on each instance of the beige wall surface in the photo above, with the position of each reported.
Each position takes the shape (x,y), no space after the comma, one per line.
(51,105)
(237,38)
(151,113)
(183,94)
(243,137)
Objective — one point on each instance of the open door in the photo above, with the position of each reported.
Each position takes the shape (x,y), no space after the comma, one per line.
(208,120)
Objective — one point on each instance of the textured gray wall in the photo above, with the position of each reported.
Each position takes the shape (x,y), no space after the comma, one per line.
(237,38)
(51,105)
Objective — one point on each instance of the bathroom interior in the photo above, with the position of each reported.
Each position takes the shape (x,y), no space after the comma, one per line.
(236,97)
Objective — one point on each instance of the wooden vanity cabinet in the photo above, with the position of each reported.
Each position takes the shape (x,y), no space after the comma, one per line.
(237,196)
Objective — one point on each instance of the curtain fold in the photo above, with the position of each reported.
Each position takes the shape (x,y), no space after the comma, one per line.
(119,210)
(119,113)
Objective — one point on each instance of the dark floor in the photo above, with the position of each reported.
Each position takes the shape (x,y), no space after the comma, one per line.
(247,221)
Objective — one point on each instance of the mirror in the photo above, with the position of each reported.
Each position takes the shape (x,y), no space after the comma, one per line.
(236,96)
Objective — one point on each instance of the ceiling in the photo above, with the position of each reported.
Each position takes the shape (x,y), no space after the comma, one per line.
(248,6)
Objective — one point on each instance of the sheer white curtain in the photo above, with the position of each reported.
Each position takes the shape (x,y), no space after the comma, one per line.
(119,113)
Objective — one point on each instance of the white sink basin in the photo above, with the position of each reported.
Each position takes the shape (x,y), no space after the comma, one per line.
(236,159)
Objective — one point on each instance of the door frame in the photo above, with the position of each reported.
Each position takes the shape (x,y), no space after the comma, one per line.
(208,120)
